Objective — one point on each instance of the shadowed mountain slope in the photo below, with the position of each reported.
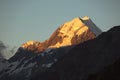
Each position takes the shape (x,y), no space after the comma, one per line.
(96,59)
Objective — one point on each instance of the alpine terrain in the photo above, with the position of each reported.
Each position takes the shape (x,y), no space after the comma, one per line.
(77,50)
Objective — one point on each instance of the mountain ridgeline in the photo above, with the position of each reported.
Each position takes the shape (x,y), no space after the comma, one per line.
(77,50)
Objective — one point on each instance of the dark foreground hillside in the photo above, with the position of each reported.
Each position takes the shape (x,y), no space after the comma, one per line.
(97,59)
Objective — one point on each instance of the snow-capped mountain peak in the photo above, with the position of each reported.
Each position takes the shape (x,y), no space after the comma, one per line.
(72,32)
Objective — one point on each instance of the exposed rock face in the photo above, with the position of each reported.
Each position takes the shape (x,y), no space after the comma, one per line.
(70,33)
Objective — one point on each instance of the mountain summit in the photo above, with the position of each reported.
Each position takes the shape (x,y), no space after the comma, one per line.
(73,32)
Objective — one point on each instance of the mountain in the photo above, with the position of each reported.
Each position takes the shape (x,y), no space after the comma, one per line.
(73,32)
(70,33)
(95,59)
(3,63)
(22,68)
(66,56)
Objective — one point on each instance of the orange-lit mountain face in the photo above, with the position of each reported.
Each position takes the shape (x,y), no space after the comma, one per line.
(70,33)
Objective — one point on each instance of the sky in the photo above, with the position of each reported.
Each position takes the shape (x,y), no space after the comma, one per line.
(24,20)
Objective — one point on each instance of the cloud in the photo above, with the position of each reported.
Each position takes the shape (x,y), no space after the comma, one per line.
(6,51)
(2,47)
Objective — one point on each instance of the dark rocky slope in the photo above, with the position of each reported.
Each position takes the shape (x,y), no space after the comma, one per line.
(96,59)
